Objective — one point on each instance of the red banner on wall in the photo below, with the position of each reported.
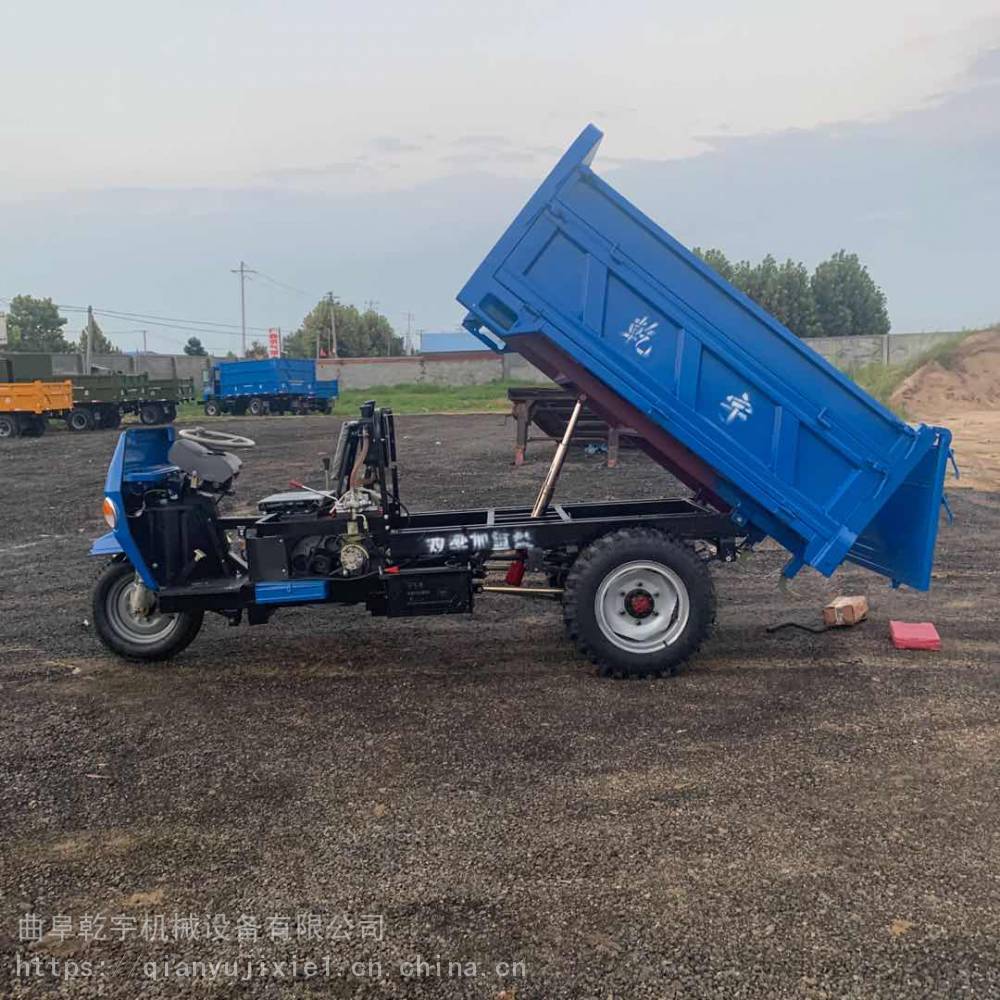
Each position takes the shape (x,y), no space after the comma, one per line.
(274,343)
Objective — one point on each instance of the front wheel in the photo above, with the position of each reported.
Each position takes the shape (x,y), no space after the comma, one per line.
(128,630)
(212,408)
(638,603)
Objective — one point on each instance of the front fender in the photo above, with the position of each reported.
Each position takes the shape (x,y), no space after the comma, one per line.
(106,545)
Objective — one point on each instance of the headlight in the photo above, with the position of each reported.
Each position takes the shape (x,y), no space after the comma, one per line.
(110,512)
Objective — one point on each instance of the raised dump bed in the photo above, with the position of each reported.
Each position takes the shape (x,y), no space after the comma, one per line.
(592,291)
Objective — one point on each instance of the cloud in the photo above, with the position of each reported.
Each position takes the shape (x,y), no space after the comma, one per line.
(345,167)
(393,144)
(910,193)
(986,66)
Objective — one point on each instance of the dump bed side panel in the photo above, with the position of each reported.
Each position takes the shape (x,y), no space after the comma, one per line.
(273,376)
(799,451)
(35,397)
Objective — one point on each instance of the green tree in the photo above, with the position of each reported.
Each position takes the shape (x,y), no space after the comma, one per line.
(194,348)
(35,325)
(847,299)
(359,334)
(100,343)
(717,259)
(256,351)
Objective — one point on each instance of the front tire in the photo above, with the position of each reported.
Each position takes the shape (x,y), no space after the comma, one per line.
(154,636)
(638,603)
(212,408)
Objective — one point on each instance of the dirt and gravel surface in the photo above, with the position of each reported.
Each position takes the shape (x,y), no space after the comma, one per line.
(795,816)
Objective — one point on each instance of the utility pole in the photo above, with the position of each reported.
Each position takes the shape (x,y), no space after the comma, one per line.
(243,271)
(330,298)
(409,330)
(371,305)
(90,339)
(145,350)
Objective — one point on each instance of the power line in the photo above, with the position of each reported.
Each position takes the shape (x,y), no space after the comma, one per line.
(282,284)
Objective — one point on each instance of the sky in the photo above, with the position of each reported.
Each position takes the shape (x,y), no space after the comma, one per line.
(377,150)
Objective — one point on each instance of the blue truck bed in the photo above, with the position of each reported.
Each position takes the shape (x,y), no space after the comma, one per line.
(270,377)
(746,413)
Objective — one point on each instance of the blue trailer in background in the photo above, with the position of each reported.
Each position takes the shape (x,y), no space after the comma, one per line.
(772,440)
(274,385)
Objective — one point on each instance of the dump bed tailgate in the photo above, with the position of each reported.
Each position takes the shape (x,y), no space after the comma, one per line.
(791,445)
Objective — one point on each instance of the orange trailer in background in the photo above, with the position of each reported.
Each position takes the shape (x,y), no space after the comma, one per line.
(26,406)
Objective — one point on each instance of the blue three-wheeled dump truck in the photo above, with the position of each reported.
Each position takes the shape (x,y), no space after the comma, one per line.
(770,438)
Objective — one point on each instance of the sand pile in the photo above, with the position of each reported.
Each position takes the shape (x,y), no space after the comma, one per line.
(965,380)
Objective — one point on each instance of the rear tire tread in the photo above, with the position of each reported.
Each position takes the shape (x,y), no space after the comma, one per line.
(578,595)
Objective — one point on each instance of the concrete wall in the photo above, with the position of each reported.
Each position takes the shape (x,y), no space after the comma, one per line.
(465,368)
(893,349)
(476,367)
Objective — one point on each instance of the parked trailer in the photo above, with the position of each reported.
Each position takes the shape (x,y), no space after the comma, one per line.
(773,440)
(102,399)
(25,407)
(274,385)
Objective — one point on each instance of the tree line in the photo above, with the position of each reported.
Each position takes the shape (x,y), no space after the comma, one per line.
(839,298)
(34,325)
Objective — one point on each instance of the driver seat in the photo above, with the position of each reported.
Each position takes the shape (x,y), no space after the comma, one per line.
(196,459)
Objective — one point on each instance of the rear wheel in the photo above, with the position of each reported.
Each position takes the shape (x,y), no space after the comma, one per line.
(80,419)
(9,427)
(638,603)
(256,407)
(131,632)
(151,413)
(212,408)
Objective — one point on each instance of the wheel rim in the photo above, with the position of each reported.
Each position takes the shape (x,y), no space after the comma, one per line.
(642,607)
(133,628)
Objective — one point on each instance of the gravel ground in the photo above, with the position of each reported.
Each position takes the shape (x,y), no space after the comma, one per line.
(795,816)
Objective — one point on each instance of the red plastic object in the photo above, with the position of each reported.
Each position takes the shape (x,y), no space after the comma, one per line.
(515,573)
(914,635)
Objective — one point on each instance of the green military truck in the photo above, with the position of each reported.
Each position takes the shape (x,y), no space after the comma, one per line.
(101,399)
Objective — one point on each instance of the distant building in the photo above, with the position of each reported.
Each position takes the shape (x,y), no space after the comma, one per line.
(449,342)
